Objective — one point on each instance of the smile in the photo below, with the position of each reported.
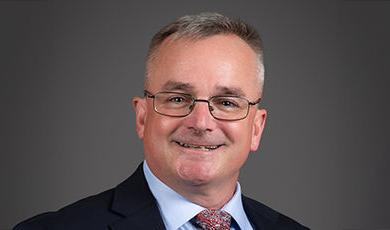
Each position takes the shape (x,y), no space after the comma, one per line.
(198,147)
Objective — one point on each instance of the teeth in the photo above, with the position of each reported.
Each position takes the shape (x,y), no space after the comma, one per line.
(200,147)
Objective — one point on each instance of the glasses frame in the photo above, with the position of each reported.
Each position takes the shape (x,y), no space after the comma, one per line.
(148,94)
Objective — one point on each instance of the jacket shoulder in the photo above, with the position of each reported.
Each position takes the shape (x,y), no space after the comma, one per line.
(264,217)
(75,216)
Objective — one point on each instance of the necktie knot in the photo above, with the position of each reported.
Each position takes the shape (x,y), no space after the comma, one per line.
(211,219)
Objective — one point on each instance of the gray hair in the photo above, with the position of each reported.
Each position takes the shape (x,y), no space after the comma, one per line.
(205,25)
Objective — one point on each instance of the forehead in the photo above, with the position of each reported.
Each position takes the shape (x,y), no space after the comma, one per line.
(220,63)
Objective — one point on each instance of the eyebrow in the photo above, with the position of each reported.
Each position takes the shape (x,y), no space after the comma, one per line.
(177,85)
(224,90)
(187,87)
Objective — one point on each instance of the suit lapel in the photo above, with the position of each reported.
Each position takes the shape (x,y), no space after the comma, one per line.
(136,204)
(134,201)
(146,218)
(260,216)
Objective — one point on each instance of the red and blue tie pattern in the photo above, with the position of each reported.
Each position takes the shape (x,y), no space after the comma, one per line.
(211,219)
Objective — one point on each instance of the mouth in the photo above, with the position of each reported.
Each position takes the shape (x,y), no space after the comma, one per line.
(198,147)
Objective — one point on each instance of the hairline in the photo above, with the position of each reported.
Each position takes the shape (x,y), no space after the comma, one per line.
(194,36)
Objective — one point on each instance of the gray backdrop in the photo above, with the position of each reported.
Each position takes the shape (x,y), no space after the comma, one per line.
(68,70)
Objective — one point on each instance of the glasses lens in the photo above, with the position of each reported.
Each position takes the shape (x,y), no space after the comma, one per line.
(229,108)
(221,107)
(173,104)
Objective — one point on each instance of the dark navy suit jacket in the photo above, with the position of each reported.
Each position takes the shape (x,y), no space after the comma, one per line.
(131,205)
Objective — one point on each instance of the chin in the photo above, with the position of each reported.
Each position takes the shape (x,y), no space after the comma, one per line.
(196,174)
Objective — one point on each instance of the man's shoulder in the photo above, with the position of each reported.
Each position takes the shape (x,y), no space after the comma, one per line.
(87,213)
(264,217)
(109,208)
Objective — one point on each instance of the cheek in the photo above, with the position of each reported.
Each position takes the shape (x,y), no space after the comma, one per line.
(159,127)
(239,133)
(157,131)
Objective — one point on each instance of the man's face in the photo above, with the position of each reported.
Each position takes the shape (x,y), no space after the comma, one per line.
(217,65)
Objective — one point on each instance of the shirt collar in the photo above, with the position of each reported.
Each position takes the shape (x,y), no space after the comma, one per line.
(235,208)
(177,210)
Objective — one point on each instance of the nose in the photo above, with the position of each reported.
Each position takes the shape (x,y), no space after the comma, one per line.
(200,119)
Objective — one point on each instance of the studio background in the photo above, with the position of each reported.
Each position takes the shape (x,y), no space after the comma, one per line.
(69,69)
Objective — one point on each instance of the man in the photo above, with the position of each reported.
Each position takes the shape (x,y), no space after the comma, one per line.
(199,119)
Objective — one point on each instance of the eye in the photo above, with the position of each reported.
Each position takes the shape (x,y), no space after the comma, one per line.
(227,103)
(177,99)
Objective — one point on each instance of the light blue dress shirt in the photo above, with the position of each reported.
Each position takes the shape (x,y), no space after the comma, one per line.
(177,211)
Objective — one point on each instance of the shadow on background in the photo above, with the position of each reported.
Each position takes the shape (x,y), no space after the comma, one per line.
(67,129)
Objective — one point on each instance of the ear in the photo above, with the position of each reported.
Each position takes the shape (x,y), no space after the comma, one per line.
(139,106)
(258,127)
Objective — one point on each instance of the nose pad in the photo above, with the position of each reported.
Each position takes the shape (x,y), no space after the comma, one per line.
(200,117)
(211,109)
(199,104)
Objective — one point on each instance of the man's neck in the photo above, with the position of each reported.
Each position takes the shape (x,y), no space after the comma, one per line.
(213,194)
(210,195)
(209,199)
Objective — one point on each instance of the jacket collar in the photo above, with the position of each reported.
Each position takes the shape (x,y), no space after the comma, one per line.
(135,203)
(261,216)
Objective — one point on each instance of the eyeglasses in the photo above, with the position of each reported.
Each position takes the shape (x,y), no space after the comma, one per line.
(227,108)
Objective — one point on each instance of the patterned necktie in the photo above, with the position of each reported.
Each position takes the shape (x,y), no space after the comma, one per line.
(211,219)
